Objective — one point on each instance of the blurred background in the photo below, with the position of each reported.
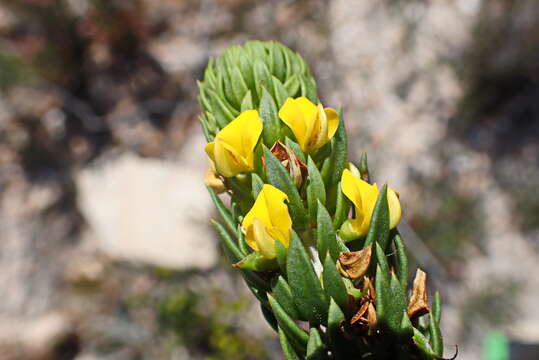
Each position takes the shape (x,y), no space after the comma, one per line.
(105,248)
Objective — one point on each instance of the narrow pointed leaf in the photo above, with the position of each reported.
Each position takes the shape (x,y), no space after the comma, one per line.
(262,76)
(268,315)
(223,211)
(268,113)
(316,349)
(281,254)
(379,227)
(279,177)
(315,190)
(279,91)
(339,152)
(295,148)
(402,261)
(292,86)
(247,102)
(437,307)
(339,346)
(310,299)
(287,324)
(436,336)
(283,295)
(288,350)
(256,185)
(256,262)
(227,241)
(325,234)
(342,208)
(333,284)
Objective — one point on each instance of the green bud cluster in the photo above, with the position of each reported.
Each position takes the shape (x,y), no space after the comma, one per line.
(318,309)
(259,75)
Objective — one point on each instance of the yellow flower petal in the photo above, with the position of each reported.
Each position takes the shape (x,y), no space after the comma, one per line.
(395,211)
(232,150)
(333,122)
(271,211)
(264,242)
(290,113)
(363,195)
(312,125)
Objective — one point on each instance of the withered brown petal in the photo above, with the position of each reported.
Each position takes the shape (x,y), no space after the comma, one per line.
(359,314)
(371,316)
(287,157)
(368,288)
(418,304)
(356,263)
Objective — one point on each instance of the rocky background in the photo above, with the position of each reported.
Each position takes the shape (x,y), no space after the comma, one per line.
(105,248)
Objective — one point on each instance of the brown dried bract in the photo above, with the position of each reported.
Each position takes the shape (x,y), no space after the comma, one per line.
(366,315)
(355,264)
(296,167)
(418,304)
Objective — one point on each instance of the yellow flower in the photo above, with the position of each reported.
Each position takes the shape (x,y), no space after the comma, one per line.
(232,149)
(363,195)
(268,221)
(312,125)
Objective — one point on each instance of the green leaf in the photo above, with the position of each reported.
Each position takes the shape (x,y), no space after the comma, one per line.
(437,307)
(310,299)
(268,315)
(235,252)
(268,114)
(379,227)
(220,106)
(381,283)
(292,86)
(256,262)
(247,102)
(295,148)
(310,89)
(339,346)
(315,189)
(406,328)
(279,66)
(381,260)
(242,243)
(402,261)
(393,302)
(279,91)
(279,177)
(281,254)
(316,349)
(333,284)
(256,185)
(288,325)
(364,167)
(339,152)
(423,344)
(325,235)
(283,295)
(341,209)
(262,76)
(288,350)
(223,211)
(436,336)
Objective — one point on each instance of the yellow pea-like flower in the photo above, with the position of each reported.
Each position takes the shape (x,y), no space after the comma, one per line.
(363,195)
(312,125)
(232,149)
(268,221)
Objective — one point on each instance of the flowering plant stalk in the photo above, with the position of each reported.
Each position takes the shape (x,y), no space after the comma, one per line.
(316,242)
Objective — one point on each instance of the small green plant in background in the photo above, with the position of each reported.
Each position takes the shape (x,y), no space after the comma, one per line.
(315,240)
